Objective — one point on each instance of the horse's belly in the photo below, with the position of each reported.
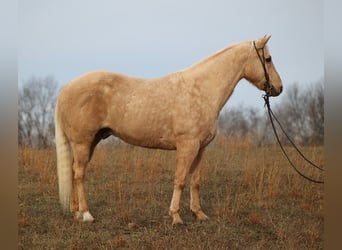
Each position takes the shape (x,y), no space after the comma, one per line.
(146,134)
(149,141)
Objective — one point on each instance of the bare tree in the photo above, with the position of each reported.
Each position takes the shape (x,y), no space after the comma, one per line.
(241,122)
(302,113)
(315,113)
(36,102)
(233,123)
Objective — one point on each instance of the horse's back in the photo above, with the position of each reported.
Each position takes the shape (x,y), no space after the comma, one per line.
(94,81)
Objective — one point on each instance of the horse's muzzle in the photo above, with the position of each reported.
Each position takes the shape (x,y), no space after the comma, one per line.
(271,90)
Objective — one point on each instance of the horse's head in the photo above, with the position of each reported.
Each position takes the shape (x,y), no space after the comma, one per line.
(260,69)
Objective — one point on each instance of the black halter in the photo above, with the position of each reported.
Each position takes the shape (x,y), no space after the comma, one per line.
(263,60)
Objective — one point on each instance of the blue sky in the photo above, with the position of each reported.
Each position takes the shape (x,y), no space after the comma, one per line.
(153,38)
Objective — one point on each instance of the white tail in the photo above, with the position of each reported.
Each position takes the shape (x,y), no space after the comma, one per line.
(64,163)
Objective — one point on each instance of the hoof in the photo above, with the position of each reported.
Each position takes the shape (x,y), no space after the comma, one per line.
(85,217)
(200,216)
(176,219)
(176,222)
(78,216)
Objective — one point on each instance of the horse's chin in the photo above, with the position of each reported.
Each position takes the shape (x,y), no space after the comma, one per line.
(273,92)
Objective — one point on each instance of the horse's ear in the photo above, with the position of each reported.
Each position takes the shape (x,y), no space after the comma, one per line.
(261,42)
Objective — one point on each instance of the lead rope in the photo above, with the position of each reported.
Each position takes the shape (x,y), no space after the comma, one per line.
(271,116)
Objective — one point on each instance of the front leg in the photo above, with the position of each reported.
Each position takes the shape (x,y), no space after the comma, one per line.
(194,189)
(187,151)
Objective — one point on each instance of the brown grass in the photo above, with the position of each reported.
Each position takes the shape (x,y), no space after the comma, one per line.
(252,196)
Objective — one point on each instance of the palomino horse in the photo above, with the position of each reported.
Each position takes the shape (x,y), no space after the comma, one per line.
(177,112)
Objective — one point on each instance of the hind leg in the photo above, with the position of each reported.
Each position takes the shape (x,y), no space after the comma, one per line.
(194,189)
(84,154)
(79,203)
(74,198)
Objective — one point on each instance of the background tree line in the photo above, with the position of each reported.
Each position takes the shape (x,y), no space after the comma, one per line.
(36,103)
(301,112)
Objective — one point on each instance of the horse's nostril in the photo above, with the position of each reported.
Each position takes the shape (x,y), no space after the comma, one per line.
(280,89)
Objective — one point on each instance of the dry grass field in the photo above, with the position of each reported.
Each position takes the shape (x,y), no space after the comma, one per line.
(252,196)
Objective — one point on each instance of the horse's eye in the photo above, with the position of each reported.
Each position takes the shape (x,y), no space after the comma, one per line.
(268,59)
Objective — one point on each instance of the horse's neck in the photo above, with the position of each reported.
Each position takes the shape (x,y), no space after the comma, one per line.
(218,74)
